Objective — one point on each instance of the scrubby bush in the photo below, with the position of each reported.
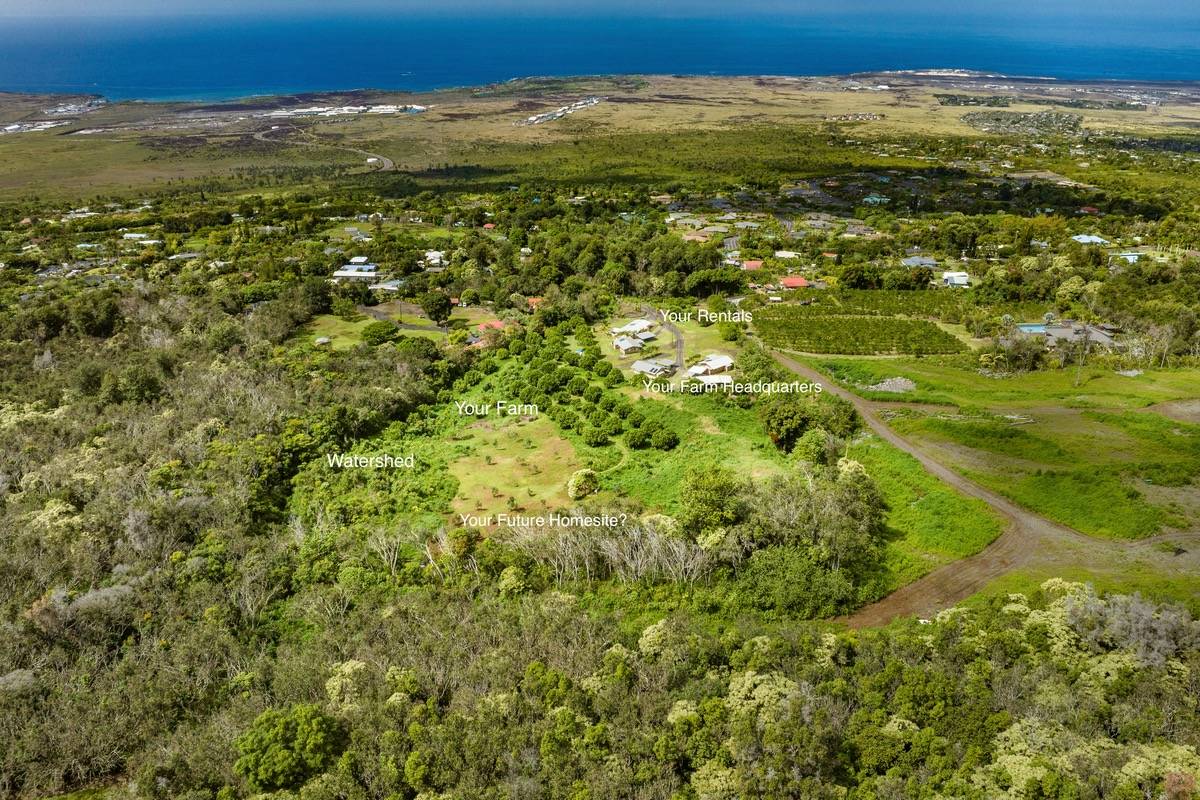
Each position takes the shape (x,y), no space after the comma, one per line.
(583,483)
(283,749)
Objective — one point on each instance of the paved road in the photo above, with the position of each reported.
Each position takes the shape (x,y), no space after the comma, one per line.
(381,164)
(1028,539)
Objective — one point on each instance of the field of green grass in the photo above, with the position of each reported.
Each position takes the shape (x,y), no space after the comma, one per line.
(343,334)
(710,431)
(1093,456)
(932,523)
(1088,470)
(954,380)
(509,457)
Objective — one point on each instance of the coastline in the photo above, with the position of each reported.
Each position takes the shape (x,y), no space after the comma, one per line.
(272,98)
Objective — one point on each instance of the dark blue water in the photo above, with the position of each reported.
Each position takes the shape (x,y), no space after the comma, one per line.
(211,58)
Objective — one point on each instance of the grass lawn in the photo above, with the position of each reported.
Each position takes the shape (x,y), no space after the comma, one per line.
(343,334)
(700,340)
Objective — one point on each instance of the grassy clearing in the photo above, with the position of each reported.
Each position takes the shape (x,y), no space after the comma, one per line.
(934,524)
(710,431)
(343,334)
(1088,470)
(509,457)
(700,340)
(992,435)
(1092,501)
(953,380)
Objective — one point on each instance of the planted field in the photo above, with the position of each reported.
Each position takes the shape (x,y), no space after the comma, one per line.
(947,305)
(884,303)
(794,328)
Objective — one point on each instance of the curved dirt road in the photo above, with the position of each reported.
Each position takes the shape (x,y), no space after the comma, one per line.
(1028,538)
(381,163)
(652,315)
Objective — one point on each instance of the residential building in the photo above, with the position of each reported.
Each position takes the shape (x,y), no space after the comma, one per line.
(711,364)
(628,344)
(654,367)
(633,327)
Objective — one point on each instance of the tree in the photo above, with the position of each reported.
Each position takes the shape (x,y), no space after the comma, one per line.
(436,306)
(710,498)
(282,750)
(378,332)
(786,418)
(582,483)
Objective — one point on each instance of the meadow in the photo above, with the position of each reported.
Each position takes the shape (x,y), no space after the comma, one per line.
(956,381)
(1094,455)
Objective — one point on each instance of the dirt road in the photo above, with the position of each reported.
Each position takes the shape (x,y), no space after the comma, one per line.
(652,315)
(1028,540)
(380,163)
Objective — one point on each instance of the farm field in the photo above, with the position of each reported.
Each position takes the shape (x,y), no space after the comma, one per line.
(802,332)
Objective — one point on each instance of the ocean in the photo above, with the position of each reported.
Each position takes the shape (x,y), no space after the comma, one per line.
(213,58)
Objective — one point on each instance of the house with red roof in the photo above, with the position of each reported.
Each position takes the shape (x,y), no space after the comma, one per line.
(752,264)
(794,282)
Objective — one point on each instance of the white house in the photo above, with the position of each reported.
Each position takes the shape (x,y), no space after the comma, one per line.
(711,365)
(1088,238)
(959,279)
(434,258)
(633,327)
(360,260)
(358,272)
(714,380)
(786,254)
(628,344)
(654,367)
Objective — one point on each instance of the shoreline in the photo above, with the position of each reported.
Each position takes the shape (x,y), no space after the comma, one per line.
(924,76)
